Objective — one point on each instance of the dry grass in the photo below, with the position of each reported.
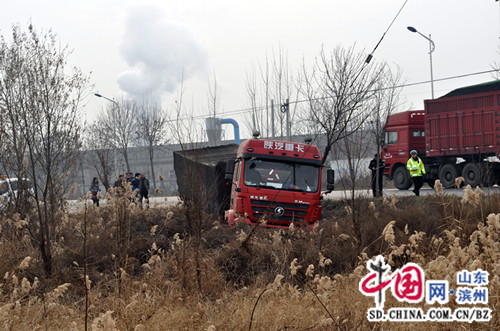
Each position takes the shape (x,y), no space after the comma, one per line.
(143,271)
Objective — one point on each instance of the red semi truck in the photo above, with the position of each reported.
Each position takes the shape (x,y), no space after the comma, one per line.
(266,182)
(276,181)
(457,135)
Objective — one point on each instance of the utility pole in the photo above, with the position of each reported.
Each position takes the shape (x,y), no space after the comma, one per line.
(288,124)
(267,119)
(253,121)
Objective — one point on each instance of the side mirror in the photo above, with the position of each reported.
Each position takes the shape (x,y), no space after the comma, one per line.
(330,179)
(229,170)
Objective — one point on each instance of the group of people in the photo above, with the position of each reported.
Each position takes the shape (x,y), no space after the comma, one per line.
(414,165)
(139,183)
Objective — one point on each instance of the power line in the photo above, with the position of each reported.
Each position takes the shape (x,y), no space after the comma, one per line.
(260,108)
(410,84)
(370,56)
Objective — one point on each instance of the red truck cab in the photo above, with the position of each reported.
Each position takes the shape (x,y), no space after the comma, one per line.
(404,132)
(276,183)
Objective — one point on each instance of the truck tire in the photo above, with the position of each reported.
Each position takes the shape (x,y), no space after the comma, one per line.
(402,178)
(472,174)
(447,175)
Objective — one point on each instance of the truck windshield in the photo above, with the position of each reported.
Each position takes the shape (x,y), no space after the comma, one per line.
(281,175)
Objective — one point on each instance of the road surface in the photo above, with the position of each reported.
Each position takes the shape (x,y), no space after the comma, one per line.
(339,194)
(335,195)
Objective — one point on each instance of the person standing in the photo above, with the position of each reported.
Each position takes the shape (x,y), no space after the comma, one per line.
(135,182)
(416,168)
(377,166)
(94,189)
(120,185)
(143,187)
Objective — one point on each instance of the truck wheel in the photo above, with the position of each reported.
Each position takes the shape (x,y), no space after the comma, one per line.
(472,174)
(447,175)
(402,178)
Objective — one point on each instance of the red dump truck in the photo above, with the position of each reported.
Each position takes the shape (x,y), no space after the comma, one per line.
(271,183)
(456,135)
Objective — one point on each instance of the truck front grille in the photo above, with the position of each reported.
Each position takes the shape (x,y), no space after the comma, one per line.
(294,212)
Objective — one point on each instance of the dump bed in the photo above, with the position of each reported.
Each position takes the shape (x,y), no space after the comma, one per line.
(200,176)
(465,121)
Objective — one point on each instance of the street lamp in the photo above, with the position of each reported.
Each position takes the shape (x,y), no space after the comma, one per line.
(102,96)
(431,49)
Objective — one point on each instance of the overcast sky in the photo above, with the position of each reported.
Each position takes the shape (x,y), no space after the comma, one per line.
(132,47)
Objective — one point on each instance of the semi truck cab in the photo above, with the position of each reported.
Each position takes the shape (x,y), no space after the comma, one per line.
(403,132)
(276,183)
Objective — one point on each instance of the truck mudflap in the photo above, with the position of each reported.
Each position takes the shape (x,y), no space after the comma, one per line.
(317,214)
(230,217)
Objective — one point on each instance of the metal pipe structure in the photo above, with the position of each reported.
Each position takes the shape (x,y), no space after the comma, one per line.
(236,128)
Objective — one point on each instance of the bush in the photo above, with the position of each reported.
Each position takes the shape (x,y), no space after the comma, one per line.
(142,269)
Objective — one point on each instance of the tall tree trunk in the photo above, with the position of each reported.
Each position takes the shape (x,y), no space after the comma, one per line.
(151,159)
(125,156)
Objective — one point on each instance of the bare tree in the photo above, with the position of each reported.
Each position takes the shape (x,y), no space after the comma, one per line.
(118,121)
(187,135)
(352,150)
(184,128)
(101,152)
(385,100)
(151,128)
(213,124)
(343,91)
(496,66)
(213,97)
(337,91)
(272,81)
(252,93)
(40,103)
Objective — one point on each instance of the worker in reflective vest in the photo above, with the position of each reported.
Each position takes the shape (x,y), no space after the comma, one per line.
(416,168)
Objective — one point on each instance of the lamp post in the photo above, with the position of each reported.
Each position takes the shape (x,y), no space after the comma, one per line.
(431,49)
(114,132)
(102,96)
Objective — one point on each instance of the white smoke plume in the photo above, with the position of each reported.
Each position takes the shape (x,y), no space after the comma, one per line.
(159,51)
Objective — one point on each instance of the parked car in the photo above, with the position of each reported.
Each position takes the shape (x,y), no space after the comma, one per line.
(9,189)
